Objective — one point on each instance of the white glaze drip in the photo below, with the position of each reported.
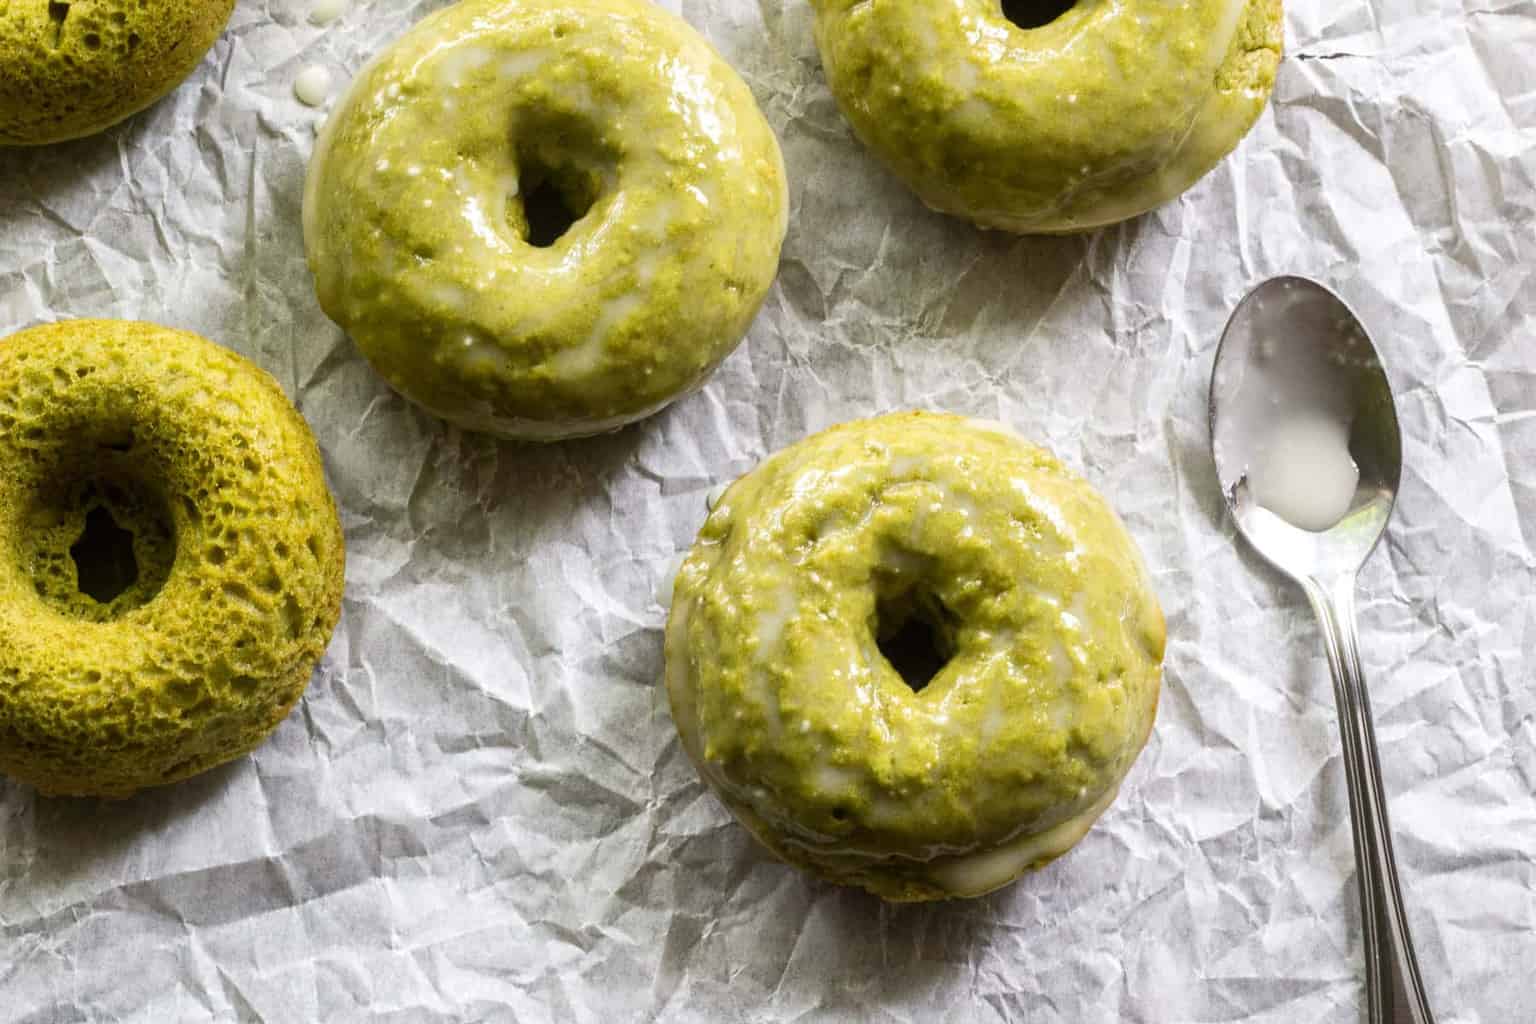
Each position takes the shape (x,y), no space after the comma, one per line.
(976,873)
(323,12)
(312,86)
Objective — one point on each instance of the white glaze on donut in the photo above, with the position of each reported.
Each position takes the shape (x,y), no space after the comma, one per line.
(787,704)
(418,224)
(1108,111)
(975,874)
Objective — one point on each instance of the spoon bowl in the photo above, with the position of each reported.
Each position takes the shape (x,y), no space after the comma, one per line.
(1309,455)
(1292,343)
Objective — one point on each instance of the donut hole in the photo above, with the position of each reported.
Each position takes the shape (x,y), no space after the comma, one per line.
(99,539)
(123,547)
(1027,14)
(553,201)
(915,634)
(105,565)
(550,213)
(563,166)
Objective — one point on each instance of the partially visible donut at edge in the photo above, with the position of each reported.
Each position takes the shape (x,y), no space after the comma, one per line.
(1085,119)
(171,560)
(68,70)
(426,201)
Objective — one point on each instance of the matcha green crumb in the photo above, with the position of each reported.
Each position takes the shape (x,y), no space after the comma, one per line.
(1093,117)
(71,69)
(914,778)
(171,560)
(545,219)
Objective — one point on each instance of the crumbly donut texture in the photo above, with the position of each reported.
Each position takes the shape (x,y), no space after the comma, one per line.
(198,456)
(419,240)
(792,714)
(1108,111)
(72,69)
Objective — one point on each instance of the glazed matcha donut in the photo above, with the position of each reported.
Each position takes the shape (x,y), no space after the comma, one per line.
(915,654)
(1103,113)
(72,69)
(546,218)
(170,557)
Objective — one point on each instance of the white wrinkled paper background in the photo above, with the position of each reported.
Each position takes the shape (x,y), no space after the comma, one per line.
(480,811)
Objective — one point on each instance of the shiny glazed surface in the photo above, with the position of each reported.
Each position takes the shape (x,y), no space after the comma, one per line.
(796,719)
(73,69)
(1108,111)
(198,455)
(417,232)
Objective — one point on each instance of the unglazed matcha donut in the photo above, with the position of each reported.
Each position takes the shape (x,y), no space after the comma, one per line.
(170,557)
(426,202)
(1111,109)
(73,69)
(814,566)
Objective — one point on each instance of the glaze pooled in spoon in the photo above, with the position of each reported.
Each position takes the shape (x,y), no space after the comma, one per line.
(1302,471)
(1286,445)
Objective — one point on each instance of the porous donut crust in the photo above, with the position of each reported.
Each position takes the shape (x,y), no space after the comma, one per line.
(198,454)
(1108,111)
(418,236)
(75,68)
(792,714)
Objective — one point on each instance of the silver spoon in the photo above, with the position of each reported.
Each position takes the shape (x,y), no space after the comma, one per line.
(1295,360)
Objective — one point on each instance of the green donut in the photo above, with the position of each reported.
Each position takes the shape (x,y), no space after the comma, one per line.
(170,557)
(1111,109)
(818,567)
(426,199)
(73,69)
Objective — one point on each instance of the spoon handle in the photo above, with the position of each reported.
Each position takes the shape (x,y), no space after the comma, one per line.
(1394,990)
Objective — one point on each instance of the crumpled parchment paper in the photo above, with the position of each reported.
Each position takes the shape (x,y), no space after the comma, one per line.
(480,811)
